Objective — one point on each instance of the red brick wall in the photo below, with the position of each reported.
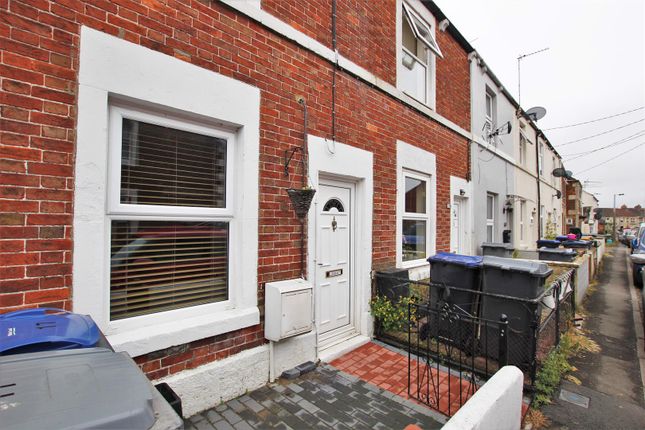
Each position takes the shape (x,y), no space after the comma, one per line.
(453,75)
(39,42)
(367,35)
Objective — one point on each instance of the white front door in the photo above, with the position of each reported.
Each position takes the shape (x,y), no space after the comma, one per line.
(458,227)
(334,246)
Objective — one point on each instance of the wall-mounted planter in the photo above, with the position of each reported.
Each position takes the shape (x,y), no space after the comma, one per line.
(301,200)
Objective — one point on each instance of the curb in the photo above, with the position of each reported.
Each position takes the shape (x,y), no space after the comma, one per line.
(637,314)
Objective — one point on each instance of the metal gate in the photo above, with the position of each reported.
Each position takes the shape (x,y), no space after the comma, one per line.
(448,355)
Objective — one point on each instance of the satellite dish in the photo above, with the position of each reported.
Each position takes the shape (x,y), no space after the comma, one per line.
(536,113)
(558,194)
(559,172)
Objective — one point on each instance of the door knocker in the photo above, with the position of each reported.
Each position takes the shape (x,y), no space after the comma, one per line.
(333,224)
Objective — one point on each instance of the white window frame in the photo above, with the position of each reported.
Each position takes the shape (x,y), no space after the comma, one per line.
(118,112)
(541,159)
(115,71)
(522,220)
(523,148)
(490,118)
(417,9)
(416,162)
(490,222)
(417,216)
(415,21)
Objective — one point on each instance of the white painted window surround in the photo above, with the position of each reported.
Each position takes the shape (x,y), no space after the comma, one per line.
(115,71)
(410,160)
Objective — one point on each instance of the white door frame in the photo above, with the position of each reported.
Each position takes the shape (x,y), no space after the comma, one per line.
(460,188)
(345,163)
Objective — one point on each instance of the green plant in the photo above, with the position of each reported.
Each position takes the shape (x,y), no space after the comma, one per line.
(550,232)
(556,365)
(393,316)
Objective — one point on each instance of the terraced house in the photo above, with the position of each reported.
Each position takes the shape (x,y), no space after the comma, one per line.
(146,149)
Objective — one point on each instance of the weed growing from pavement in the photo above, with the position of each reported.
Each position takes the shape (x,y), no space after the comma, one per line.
(556,366)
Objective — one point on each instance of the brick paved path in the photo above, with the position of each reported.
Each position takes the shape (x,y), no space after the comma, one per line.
(388,369)
(323,399)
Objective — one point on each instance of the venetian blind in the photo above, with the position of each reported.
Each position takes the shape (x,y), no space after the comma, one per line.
(161,265)
(169,167)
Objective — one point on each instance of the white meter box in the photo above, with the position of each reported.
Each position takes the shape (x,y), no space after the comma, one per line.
(288,309)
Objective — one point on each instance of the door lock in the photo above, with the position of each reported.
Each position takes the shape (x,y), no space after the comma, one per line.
(334,224)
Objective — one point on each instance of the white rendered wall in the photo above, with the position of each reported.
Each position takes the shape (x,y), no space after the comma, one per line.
(497,405)
(206,386)
(492,160)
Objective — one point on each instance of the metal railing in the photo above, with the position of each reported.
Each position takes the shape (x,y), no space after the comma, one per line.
(447,337)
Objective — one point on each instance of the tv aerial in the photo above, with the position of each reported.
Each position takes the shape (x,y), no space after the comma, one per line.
(536,113)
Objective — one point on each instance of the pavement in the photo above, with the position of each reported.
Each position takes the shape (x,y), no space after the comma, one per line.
(325,398)
(611,380)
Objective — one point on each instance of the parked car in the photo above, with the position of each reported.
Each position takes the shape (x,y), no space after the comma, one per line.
(638,257)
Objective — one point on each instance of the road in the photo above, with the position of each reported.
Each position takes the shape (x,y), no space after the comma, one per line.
(611,379)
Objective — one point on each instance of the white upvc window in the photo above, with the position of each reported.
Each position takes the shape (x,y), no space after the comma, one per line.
(490,110)
(418,51)
(553,178)
(416,199)
(522,220)
(490,217)
(541,159)
(523,149)
(170,204)
(542,220)
(415,225)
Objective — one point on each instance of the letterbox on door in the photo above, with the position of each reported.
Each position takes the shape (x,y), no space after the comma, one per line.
(288,309)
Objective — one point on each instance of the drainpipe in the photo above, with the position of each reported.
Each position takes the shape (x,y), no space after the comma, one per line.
(334,45)
(303,103)
(537,164)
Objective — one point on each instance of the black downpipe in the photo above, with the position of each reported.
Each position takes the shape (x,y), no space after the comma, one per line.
(539,203)
(305,174)
(334,45)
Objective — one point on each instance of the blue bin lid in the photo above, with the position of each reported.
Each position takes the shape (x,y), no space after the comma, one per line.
(577,243)
(46,329)
(458,259)
(549,241)
(562,238)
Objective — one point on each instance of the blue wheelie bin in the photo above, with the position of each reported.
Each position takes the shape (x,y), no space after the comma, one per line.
(46,329)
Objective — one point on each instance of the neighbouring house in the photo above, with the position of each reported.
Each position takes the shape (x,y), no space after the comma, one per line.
(517,198)
(551,189)
(626,217)
(574,214)
(145,153)
(538,192)
(492,156)
(589,225)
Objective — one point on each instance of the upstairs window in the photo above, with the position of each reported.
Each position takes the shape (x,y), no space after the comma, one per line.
(541,159)
(523,149)
(491,114)
(418,48)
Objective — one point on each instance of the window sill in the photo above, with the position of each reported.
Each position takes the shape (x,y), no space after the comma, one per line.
(417,270)
(153,338)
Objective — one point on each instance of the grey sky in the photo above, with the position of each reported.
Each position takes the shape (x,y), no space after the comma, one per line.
(594,68)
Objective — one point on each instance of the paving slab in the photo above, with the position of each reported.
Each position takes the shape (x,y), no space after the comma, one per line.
(610,379)
(325,398)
